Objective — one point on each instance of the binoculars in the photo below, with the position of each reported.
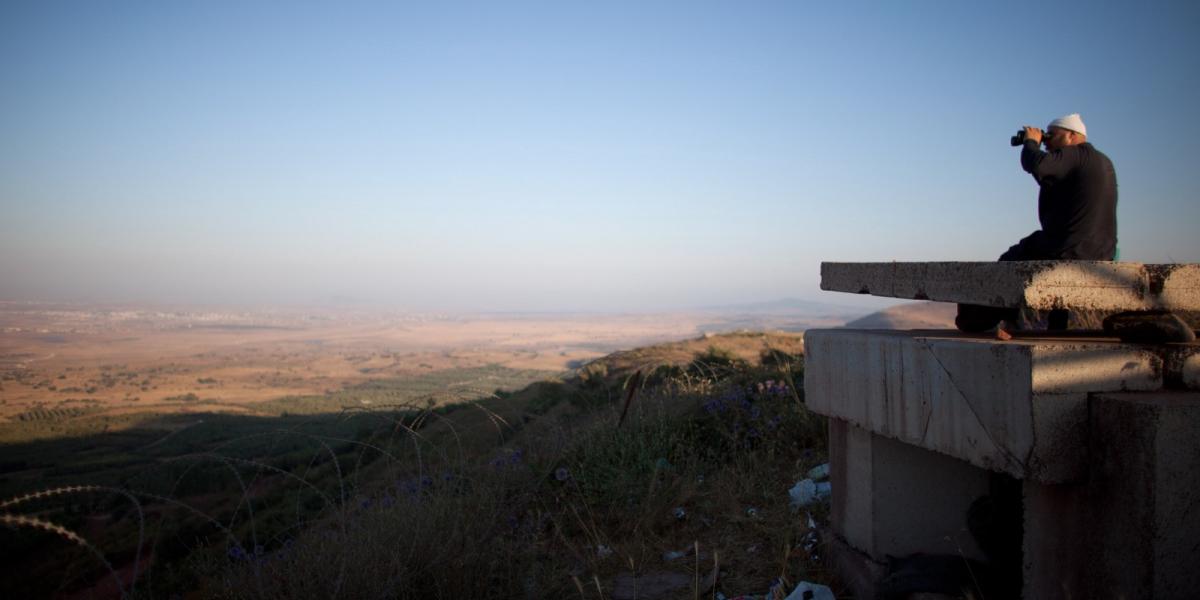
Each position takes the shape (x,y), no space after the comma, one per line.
(1019,139)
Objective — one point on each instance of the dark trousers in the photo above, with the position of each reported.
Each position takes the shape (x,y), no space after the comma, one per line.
(973,318)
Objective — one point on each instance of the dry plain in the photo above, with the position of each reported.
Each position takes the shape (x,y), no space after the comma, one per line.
(60,361)
(132,398)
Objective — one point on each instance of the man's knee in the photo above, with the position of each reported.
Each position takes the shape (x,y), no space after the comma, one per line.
(1031,247)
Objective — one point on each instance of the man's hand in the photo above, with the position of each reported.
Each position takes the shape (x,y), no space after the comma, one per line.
(1033,134)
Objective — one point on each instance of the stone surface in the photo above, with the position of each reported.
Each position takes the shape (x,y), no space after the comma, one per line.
(1105,437)
(1190,372)
(1144,496)
(856,571)
(1054,552)
(1017,407)
(893,499)
(1127,530)
(1038,285)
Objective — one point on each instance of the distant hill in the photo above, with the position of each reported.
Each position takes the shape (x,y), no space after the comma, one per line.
(747,346)
(784,306)
(788,314)
(914,315)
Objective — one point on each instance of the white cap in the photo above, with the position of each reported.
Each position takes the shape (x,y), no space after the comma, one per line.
(1072,121)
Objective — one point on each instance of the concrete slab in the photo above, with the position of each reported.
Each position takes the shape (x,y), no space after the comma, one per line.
(1039,285)
(1016,407)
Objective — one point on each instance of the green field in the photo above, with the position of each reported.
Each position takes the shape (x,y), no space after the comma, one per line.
(71,419)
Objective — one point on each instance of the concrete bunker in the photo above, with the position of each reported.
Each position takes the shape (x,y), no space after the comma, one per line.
(1049,465)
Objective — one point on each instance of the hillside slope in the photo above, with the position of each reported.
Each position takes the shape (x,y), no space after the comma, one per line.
(595,476)
(914,315)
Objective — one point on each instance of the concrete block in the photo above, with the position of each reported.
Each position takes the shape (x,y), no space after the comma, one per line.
(1190,373)
(895,499)
(1059,447)
(1053,548)
(1144,495)
(858,573)
(1038,285)
(1016,407)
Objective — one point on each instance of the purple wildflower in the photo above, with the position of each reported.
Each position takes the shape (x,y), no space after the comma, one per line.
(408,486)
(562,474)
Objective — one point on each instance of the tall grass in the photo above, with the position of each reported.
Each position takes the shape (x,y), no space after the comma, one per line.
(541,493)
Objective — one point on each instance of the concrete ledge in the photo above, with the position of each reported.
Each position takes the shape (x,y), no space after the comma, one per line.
(1039,285)
(1018,407)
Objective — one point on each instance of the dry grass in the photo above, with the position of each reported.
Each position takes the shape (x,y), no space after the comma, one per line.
(522,495)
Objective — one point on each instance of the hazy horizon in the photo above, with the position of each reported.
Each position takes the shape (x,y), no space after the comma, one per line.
(831,303)
(569,158)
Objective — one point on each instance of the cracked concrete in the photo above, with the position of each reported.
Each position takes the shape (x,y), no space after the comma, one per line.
(1016,407)
(1102,434)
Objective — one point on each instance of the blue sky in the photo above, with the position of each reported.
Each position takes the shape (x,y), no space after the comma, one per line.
(561,155)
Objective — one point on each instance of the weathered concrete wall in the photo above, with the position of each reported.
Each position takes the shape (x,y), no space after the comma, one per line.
(1040,285)
(1017,407)
(891,498)
(1129,529)
(1104,436)
(1144,495)
(1056,542)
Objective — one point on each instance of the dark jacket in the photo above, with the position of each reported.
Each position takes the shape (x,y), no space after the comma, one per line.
(1077,205)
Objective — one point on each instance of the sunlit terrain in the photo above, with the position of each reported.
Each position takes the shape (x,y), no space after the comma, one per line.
(76,369)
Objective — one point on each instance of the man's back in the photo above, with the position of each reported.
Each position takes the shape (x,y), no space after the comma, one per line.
(1077,204)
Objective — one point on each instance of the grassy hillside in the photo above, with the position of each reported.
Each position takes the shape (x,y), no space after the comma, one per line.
(564,488)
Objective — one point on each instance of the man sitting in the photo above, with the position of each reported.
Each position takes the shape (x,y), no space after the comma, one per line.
(1077,208)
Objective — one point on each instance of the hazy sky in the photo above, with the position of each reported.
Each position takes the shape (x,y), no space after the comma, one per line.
(562,155)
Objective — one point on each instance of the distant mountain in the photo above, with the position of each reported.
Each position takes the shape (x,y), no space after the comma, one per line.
(914,315)
(787,306)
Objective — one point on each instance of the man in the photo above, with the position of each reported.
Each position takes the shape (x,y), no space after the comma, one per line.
(1077,204)
(1077,207)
